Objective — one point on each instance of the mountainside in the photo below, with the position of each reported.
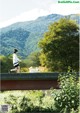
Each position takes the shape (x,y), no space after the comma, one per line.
(26,35)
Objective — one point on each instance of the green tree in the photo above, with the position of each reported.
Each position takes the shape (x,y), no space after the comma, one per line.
(60,46)
(5,63)
(32,60)
(67,99)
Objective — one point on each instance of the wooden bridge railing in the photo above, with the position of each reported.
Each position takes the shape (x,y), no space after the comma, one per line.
(28,81)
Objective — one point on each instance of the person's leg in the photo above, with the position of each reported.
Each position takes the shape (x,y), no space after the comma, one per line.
(18,69)
(15,69)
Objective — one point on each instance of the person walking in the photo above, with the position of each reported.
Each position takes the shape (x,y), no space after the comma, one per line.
(16,61)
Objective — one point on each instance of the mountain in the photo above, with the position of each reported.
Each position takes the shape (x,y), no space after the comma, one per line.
(26,35)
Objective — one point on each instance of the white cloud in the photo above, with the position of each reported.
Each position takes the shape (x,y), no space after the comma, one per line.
(63,9)
(26,16)
(32,14)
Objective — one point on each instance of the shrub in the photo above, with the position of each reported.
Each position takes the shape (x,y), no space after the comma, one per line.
(12,100)
(32,102)
(68,98)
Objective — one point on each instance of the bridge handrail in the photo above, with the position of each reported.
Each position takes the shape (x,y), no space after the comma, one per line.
(29,76)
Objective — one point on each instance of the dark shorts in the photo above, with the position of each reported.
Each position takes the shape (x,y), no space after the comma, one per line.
(16,65)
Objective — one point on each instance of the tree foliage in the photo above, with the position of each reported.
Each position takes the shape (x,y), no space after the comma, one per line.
(5,64)
(32,60)
(60,46)
(25,35)
(68,98)
(32,102)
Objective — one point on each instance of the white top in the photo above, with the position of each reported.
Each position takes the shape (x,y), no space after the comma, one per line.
(15,59)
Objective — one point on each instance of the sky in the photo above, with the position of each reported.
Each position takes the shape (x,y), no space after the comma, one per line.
(12,11)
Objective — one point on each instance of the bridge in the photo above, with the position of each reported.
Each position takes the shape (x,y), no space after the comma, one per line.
(28,81)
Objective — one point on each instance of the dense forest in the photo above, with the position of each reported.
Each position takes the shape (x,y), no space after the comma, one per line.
(59,49)
(25,36)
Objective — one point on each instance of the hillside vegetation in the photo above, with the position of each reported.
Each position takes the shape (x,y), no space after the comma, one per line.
(26,35)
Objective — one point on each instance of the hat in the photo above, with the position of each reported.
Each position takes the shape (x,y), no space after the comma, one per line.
(15,50)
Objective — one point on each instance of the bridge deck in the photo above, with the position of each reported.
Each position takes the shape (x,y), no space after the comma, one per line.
(28,81)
